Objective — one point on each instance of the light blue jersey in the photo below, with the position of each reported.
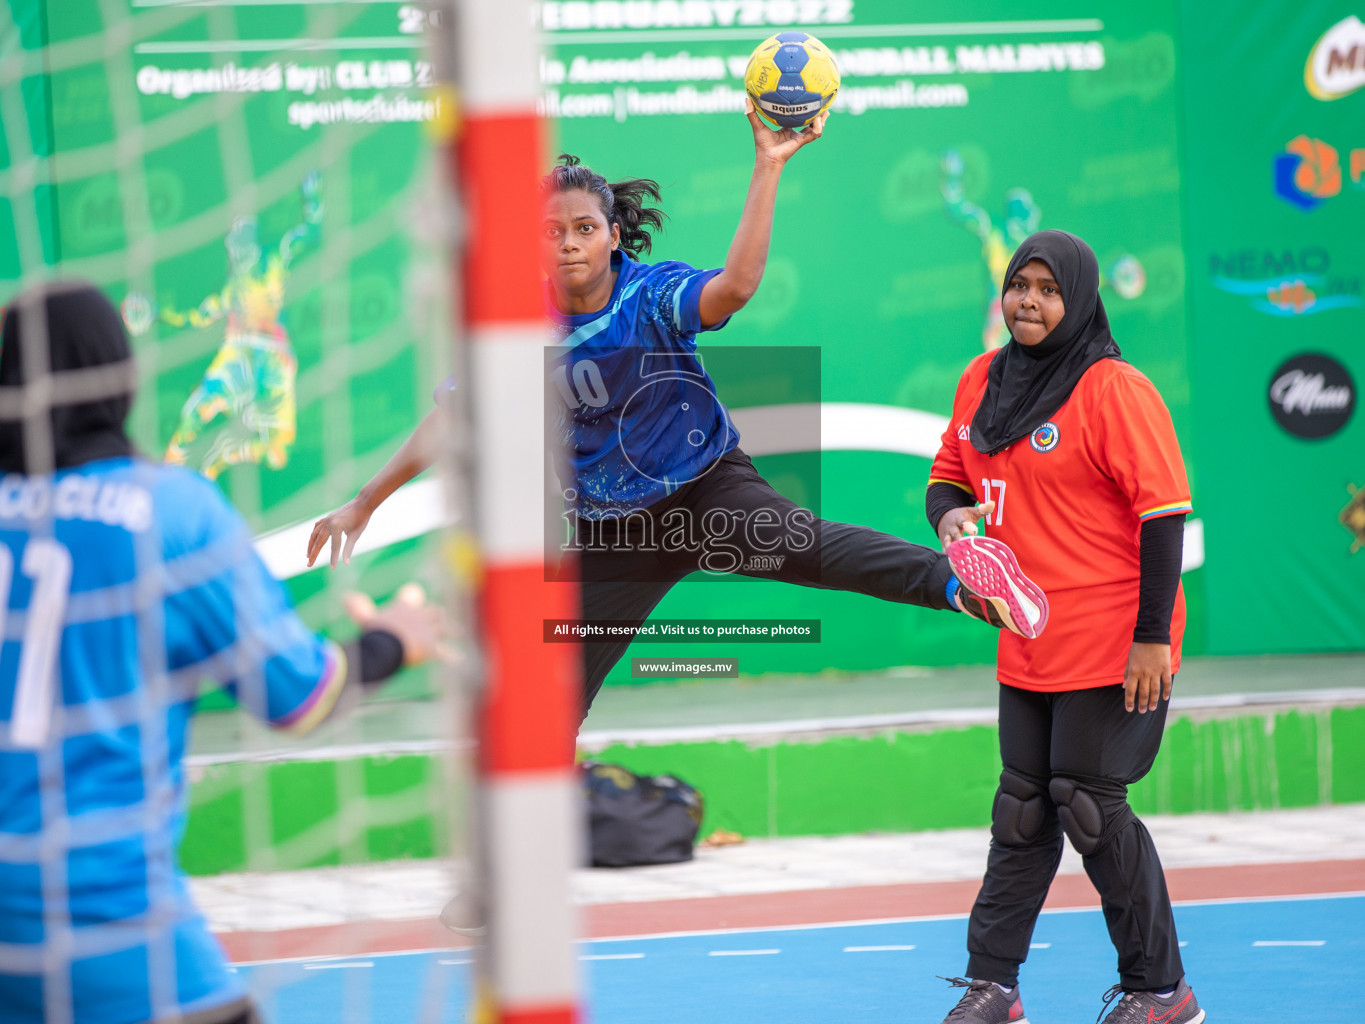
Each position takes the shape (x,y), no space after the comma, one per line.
(639,414)
(124,586)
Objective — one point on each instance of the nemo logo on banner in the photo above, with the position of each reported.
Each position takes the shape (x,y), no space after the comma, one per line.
(1336,64)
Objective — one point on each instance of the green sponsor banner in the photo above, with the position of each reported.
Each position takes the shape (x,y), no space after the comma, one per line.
(256,167)
(1275,179)
(248,182)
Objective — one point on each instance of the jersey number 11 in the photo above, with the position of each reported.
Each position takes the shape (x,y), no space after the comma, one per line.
(48,564)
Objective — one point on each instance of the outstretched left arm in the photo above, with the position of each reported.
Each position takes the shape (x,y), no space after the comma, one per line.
(728,292)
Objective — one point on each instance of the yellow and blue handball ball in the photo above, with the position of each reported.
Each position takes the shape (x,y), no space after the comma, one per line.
(792,79)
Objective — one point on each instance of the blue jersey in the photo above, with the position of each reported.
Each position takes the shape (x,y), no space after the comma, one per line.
(638,412)
(123,586)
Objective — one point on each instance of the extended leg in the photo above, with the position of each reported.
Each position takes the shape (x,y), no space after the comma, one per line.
(755,531)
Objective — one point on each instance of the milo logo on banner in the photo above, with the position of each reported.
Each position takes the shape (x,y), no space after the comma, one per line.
(1336,64)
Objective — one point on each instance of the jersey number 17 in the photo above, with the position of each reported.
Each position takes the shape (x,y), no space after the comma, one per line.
(994,489)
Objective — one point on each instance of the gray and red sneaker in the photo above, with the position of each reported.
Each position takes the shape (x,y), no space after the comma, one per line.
(994,588)
(984,1003)
(1180,1007)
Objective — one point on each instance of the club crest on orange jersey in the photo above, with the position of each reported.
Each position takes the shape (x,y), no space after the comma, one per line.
(1045,438)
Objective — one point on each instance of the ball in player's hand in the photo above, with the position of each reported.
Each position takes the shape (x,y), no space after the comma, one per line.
(792,78)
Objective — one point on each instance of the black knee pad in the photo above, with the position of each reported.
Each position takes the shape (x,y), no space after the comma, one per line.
(1019,811)
(1081,813)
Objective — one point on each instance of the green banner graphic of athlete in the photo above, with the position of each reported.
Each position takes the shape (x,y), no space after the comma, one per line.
(998,243)
(243,411)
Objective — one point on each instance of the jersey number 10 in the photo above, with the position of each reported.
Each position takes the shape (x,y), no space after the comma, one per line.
(588,386)
(48,564)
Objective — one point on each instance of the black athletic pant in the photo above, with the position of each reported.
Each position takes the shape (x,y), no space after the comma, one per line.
(738,523)
(1082,750)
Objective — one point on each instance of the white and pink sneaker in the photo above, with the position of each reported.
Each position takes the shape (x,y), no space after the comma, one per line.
(994,588)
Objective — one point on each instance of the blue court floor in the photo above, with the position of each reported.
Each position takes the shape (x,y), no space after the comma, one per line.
(1277,961)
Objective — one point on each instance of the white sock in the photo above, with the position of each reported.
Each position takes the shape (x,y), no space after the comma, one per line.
(1007,991)
(1165,993)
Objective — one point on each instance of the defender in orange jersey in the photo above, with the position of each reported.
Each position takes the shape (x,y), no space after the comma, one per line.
(1071,453)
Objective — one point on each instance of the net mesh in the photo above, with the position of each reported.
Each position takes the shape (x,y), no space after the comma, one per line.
(254,186)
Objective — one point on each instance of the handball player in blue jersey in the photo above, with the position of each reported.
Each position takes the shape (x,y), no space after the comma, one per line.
(125,586)
(654,473)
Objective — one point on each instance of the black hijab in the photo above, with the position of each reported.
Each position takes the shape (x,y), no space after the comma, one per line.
(1026,384)
(83,331)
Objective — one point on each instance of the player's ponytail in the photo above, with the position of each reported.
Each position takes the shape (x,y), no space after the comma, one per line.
(638,221)
(623,202)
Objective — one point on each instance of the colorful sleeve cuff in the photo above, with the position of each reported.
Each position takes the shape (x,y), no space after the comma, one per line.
(318,704)
(1178,508)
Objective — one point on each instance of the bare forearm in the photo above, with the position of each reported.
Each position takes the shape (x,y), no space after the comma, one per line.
(748,254)
(414,455)
(728,291)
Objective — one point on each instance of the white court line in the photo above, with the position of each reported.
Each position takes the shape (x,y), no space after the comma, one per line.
(443,950)
(743,952)
(454,961)
(332,753)
(331,967)
(1310,897)
(1290,942)
(1040,945)
(613,956)
(874,949)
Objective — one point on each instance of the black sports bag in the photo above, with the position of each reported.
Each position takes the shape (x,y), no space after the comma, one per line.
(638,819)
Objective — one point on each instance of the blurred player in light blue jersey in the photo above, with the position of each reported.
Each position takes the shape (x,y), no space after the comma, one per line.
(124,586)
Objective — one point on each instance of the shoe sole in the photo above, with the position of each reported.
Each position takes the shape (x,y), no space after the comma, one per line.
(989,569)
(457,918)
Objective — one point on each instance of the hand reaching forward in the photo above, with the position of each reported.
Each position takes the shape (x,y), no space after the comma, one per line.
(961,522)
(349,521)
(419,626)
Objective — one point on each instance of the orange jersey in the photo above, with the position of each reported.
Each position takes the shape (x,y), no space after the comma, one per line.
(1070,501)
